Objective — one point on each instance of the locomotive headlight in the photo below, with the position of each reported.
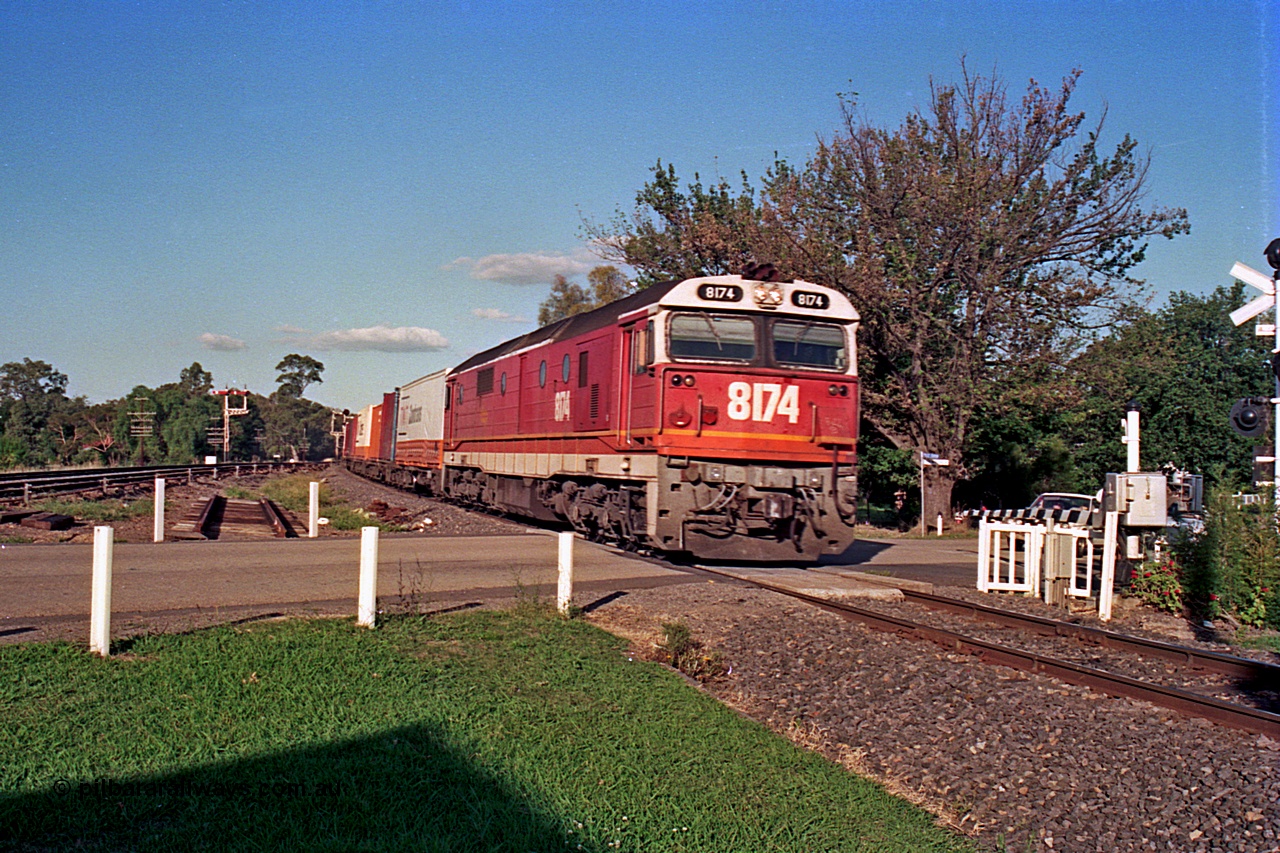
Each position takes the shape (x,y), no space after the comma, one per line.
(833,390)
(689,380)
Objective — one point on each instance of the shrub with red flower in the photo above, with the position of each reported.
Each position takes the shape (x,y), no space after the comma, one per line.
(1159,584)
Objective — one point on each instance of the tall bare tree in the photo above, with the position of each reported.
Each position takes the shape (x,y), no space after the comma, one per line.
(983,242)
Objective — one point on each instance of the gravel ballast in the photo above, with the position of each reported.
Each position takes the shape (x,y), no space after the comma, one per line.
(1019,761)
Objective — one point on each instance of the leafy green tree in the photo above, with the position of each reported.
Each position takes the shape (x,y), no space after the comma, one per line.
(983,242)
(34,410)
(566,300)
(195,379)
(605,284)
(31,380)
(679,234)
(291,428)
(296,373)
(1185,365)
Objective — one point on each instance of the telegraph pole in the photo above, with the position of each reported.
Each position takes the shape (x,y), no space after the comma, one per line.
(142,426)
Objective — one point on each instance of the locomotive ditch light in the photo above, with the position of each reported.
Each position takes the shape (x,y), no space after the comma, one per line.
(833,390)
(689,380)
(675,380)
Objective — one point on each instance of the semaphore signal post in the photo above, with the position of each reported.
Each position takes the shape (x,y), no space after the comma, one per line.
(234,402)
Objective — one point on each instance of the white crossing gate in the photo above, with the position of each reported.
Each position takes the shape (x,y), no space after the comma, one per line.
(1082,562)
(1010,555)
(1013,556)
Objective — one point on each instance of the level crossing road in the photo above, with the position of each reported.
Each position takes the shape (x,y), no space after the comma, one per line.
(45,589)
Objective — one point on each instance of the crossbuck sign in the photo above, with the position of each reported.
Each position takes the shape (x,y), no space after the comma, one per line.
(1263,282)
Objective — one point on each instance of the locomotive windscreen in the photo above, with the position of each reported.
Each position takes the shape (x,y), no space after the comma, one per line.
(809,344)
(712,336)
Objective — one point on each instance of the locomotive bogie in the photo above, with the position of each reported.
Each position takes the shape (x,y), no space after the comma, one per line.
(720,510)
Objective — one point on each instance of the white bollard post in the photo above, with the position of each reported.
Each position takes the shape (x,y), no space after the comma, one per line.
(367,611)
(564,589)
(100,597)
(939,524)
(1133,440)
(1111,531)
(313,520)
(158,535)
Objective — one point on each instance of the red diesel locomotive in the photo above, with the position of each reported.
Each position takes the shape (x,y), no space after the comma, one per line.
(715,417)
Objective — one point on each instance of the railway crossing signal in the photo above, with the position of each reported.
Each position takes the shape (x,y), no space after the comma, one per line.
(1248,417)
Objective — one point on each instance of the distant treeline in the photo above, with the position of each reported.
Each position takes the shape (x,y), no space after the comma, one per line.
(173,423)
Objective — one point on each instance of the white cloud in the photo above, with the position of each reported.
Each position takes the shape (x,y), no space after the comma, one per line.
(525,267)
(221,343)
(380,339)
(497,315)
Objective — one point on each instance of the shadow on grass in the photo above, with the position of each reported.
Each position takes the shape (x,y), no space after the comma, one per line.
(402,789)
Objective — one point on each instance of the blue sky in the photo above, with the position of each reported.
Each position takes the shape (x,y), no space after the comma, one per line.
(391,187)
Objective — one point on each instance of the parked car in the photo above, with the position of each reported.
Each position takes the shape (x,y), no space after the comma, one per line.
(1056,501)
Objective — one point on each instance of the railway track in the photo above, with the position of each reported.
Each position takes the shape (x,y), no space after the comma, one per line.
(1189,695)
(219,515)
(28,485)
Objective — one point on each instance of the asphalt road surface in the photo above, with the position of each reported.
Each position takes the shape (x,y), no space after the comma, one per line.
(173,586)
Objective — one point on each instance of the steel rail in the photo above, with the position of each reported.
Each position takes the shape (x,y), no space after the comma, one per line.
(274,518)
(1182,701)
(1260,672)
(207,512)
(25,485)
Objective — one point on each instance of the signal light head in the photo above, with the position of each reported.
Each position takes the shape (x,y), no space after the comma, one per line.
(1249,417)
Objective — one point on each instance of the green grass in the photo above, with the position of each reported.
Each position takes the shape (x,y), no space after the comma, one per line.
(480,731)
(294,493)
(100,511)
(1269,641)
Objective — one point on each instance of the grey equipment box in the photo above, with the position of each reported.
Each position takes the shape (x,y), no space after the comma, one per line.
(1139,498)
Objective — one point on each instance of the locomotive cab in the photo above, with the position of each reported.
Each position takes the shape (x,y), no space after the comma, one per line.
(747,394)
